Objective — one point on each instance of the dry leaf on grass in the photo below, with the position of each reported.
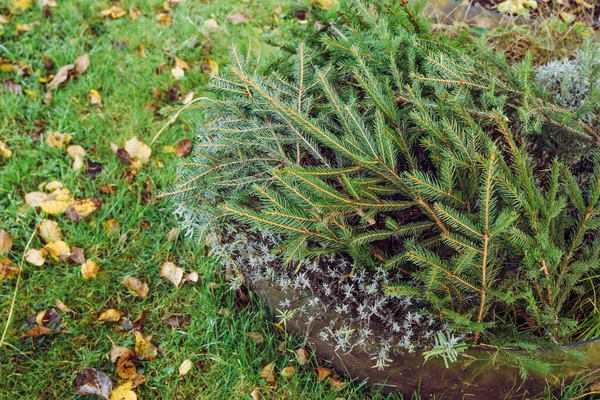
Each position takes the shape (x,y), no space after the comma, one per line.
(22,28)
(61,76)
(50,186)
(325,4)
(6,242)
(211,66)
(186,98)
(172,235)
(112,227)
(125,365)
(110,315)
(77,255)
(124,392)
(58,250)
(144,349)
(171,272)
(49,231)
(82,63)
(58,139)
(57,202)
(288,371)
(302,356)
(35,198)
(191,277)
(211,24)
(336,383)
(91,382)
(18,6)
(323,373)
(37,331)
(4,19)
(138,149)
(5,152)
(237,18)
(183,148)
(89,269)
(114,12)
(136,286)
(80,209)
(185,367)
(255,337)
(177,72)
(181,63)
(116,352)
(268,373)
(35,257)
(63,307)
(77,152)
(94,97)
(255,395)
(164,18)
(7,269)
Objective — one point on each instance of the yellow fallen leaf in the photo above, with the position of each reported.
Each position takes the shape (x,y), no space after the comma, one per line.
(94,97)
(134,14)
(110,315)
(211,67)
(136,286)
(177,72)
(6,241)
(80,209)
(187,98)
(164,18)
(336,383)
(138,149)
(57,139)
(35,257)
(185,367)
(51,186)
(77,152)
(168,149)
(114,12)
(116,352)
(112,228)
(142,50)
(288,371)
(58,250)
(181,63)
(57,202)
(89,269)
(268,373)
(17,6)
(171,272)
(124,392)
(35,198)
(143,348)
(7,269)
(22,28)
(325,4)
(49,231)
(5,152)
(4,19)
(323,373)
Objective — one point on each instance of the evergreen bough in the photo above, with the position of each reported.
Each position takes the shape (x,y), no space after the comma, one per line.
(406,149)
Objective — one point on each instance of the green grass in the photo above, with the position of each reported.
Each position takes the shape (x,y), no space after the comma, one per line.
(226,364)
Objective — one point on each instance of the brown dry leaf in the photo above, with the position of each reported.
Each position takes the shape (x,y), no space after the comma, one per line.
(57,202)
(187,98)
(164,18)
(336,383)
(136,286)
(51,186)
(172,235)
(211,66)
(255,395)
(89,269)
(138,149)
(110,315)
(4,19)
(6,242)
(143,348)
(35,257)
(141,50)
(5,152)
(323,373)
(22,28)
(268,373)
(12,87)
(35,198)
(109,188)
(185,367)
(82,63)
(112,227)
(171,272)
(58,250)
(77,152)
(37,331)
(116,352)
(124,392)
(114,12)
(302,356)
(191,277)
(61,76)
(7,269)
(57,139)
(237,18)
(177,72)
(288,371)
(48,98)
(181,63)
(77,255)
(125,367)
(211,24)
(256,337)
(184,148)
(134,14)
(94,97)
(90,382)
(63,307)
(80,209)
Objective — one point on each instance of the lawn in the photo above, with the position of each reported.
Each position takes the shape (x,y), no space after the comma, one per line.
(133,69)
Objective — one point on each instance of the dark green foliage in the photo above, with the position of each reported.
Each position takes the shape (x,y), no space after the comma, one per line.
(407,152)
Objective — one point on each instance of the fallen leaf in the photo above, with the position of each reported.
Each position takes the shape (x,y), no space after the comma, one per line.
(48,318)
(302,356)
(336,383)
(57,139)
(82,63)
(110,315)
(5,152)
(48,98)
(138,149)
(35,257)
(112,227)
(184,148)
(94,97)
(63,307)
(211,24)
(136,286)
(191,277)
(185,367)
(323,373)
(57,202)
(50,186)
(181,63)
(256,337)
(37,331)
(141,50)
(93,169)
(116,352)
(177,321)
(18,6)
(7,269)
(77,255)
(187,98)
(255,395)
(114,12)
(139,323)
(169,149)
(6,242)
(90,382)
(35,198)
(89,269)
(172,235)
(171,272)
(12,87)
(80,209)
(268,373)
(23,28)
(325,4)
(237,18)
(177,72)
(124,392)
(211,66)
(58,250)
(108,189)
(4,19)
(288,371)
(144,349)
(77,152)
(125,367)
(61,76)
(164,18)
